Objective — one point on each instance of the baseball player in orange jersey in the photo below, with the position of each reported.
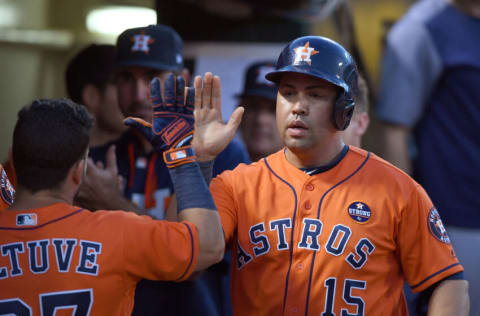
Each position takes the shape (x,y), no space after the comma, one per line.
(322,228)
(57,258)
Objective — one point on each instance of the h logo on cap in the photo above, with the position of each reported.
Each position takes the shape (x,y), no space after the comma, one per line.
(141,42)
(303,53)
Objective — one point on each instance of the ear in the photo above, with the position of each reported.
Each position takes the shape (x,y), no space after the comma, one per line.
(91,98)
(363,121)
(77,172)
(186,76)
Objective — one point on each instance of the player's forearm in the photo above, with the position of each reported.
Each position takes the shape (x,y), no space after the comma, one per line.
(395,146)
(210,235)
(450,298)
(195,204)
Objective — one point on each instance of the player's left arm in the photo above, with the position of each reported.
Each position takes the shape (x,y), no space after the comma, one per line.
(450,297)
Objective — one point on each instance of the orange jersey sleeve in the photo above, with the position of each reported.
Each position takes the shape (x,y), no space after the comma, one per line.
(342,241)
(223,195)
(158,250)
(63,258)
(423,244)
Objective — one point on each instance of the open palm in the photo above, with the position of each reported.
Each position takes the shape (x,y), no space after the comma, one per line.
(212,135)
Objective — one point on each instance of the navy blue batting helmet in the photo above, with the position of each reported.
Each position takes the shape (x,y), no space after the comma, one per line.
(322,58)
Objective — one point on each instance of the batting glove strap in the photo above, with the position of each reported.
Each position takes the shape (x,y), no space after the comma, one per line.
(179,156)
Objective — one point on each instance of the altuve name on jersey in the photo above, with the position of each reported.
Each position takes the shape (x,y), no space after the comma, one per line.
(39,260)
(311,231)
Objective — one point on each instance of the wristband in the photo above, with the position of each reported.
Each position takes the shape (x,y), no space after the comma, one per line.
(207,170)
(190,187)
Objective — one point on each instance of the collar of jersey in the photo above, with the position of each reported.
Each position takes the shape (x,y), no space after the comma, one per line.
(316,170)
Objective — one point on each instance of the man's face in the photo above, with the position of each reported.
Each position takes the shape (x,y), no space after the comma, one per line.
(109,117)
(133,90)
(304,110)
(258,127)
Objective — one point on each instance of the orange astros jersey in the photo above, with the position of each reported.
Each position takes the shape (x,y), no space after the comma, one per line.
(62,258)
(341,242)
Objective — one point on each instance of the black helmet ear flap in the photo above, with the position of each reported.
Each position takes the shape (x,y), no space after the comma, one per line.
(343,111)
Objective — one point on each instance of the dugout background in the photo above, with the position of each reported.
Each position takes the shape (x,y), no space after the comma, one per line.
(38,37)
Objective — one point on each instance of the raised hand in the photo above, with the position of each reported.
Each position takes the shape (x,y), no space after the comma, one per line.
(171,129)
(102,187)
(212,135)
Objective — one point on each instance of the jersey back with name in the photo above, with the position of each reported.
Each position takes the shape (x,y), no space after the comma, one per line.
(59,259)
(341,242)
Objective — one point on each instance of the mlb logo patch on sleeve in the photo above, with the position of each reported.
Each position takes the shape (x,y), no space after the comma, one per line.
(27,219)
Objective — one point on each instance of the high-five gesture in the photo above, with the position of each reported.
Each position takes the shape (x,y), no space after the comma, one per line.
(171,130)
(212,135)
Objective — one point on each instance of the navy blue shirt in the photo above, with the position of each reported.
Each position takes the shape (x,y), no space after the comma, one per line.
(431,83)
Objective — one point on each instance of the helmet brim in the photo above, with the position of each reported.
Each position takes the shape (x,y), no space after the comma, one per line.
(275,76)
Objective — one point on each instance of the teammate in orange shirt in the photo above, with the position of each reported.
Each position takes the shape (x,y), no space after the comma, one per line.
(322,228)
(56,257)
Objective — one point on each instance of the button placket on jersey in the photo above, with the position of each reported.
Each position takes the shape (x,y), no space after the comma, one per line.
(301,257)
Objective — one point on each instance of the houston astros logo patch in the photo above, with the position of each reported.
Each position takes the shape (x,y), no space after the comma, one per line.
(7,192)
(141,42)
(359,212)
(436,226)
(303,54)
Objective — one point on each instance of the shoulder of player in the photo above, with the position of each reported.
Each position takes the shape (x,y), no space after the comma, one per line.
(116,215)
(382,170)
(248,169)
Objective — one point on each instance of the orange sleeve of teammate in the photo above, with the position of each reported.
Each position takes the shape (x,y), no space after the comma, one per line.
(222,192)
(159,250)
(426,253)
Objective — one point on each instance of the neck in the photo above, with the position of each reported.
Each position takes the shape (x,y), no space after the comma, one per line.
(256,157)
(314,157)
(469,7)
(101,136)
(25,200)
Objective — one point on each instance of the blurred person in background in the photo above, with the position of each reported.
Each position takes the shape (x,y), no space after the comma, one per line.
(89,81)
(430,104)
(360,120)
(259,124)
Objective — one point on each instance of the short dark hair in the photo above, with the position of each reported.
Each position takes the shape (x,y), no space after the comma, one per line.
(95,64)
(50,136)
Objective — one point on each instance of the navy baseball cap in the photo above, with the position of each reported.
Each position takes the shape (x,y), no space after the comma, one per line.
(255,82)
(154,46)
